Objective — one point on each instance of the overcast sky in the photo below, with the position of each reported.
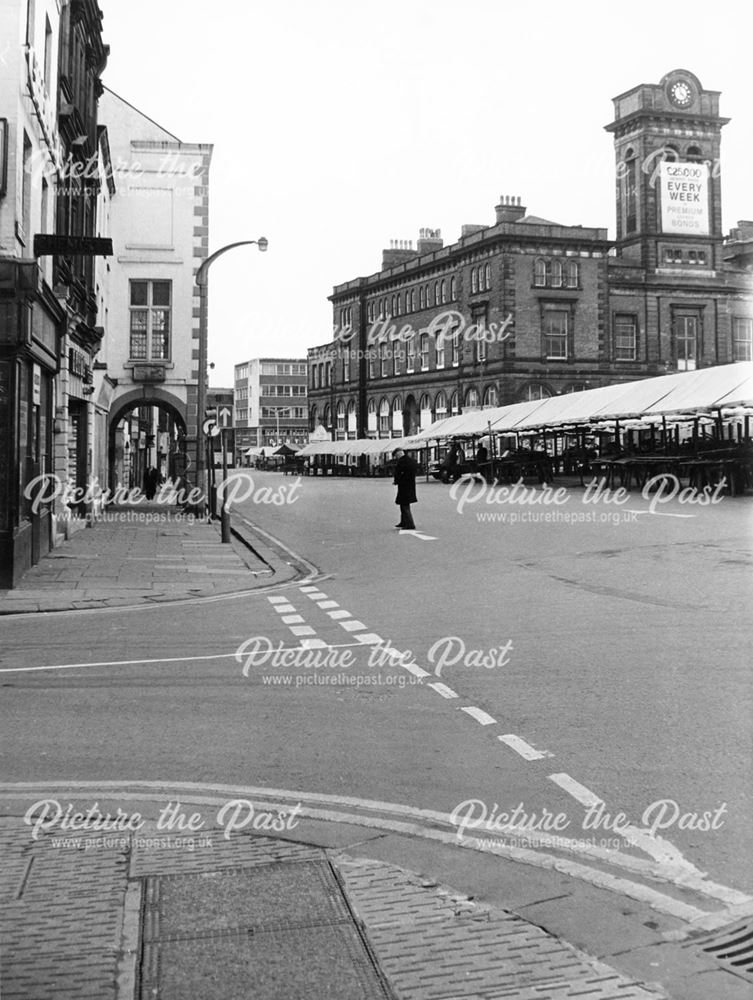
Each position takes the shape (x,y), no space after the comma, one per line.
(340,125)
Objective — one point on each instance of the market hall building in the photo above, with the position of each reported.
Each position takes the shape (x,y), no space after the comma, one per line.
(527,308)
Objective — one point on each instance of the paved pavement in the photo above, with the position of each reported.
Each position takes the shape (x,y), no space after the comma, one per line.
(304,915)
(139,555)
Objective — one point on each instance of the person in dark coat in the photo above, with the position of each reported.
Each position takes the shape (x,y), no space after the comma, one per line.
(405,480)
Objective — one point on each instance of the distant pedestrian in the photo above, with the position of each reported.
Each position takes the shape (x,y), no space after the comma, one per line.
(405,480)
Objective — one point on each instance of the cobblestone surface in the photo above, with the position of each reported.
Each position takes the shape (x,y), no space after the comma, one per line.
(433,945)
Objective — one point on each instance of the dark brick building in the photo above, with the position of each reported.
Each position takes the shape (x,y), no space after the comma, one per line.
(527,308)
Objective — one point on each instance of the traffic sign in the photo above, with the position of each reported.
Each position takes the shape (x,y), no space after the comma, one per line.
(210,428)
(225,417)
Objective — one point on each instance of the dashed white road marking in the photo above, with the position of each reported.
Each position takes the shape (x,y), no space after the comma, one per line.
(278,600)
(283,609)
(479,715)
(353,626)
(443,690)
(293,619)
(579,792)
(339,614)
(414,669)
(328,604)
(307,590)
(525,750)
(314,644)
(370,638)
(317,595)
(302,630)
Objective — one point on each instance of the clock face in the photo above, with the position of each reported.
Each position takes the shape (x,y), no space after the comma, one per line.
(680,94)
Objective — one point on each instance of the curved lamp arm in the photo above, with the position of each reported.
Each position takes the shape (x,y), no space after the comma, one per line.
(201,274)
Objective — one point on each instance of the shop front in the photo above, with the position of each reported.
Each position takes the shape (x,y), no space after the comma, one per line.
(31,322)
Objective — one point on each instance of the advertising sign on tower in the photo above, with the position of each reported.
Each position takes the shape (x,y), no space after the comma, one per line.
(684,198)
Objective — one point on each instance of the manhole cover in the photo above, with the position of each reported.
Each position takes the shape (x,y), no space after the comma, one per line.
(732,948)
(272,932)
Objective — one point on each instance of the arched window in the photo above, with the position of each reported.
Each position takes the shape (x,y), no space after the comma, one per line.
(443,291)
(395,306)
(351,418)
(397,414)
(474,280)
(407,302)
(454,404)
(695,152)
(556,274)
(340,418)
(428,296)
(437,299)
(384,417)
(471,398)
(413,300)
(488,276)
(327,417)
(490,395)
(371,417)
(440,406)
(312,418)
(423,350)
(421,297)
(315,376)
(453,289)
(534,391)
(425,412)
(573,274)
(541,272)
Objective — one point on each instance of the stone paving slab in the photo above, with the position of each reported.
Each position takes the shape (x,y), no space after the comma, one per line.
(114,563)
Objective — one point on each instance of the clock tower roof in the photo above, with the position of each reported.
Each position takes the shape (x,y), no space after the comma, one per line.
(678,93)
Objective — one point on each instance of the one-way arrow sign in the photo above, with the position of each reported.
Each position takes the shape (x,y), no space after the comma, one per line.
(225,416)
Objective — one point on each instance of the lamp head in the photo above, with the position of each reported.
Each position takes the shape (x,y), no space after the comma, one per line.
(263,243)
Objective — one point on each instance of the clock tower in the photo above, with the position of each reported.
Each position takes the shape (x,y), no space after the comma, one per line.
(667,140)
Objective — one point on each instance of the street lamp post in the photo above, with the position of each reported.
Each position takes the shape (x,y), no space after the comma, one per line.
(202,282)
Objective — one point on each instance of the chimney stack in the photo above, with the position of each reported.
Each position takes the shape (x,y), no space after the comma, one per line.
(399,252)
(429,240)
(509,209)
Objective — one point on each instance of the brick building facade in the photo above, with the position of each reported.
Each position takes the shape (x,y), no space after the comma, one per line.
(526,308)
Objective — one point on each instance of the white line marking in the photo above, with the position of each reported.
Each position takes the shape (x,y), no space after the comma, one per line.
(658,513)
(479,715)
(370,638)
(307,590)
(579,792)
(443,690)
(317,595)
(328,604)
(170,659)
(339,614)
(278,600)
(417,534)
(283,608)
(302,630)
(353,626)
(524,749)
(293,619)
(424,825)
(414,669)
(313,644)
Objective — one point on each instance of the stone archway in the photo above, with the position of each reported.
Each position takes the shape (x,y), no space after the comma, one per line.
(153,396)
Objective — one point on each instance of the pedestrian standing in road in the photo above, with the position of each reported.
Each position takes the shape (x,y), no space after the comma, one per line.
(405,480)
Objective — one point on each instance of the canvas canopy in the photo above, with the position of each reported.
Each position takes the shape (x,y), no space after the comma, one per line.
(679,394)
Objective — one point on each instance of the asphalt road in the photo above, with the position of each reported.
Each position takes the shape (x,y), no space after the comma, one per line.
(619,652)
